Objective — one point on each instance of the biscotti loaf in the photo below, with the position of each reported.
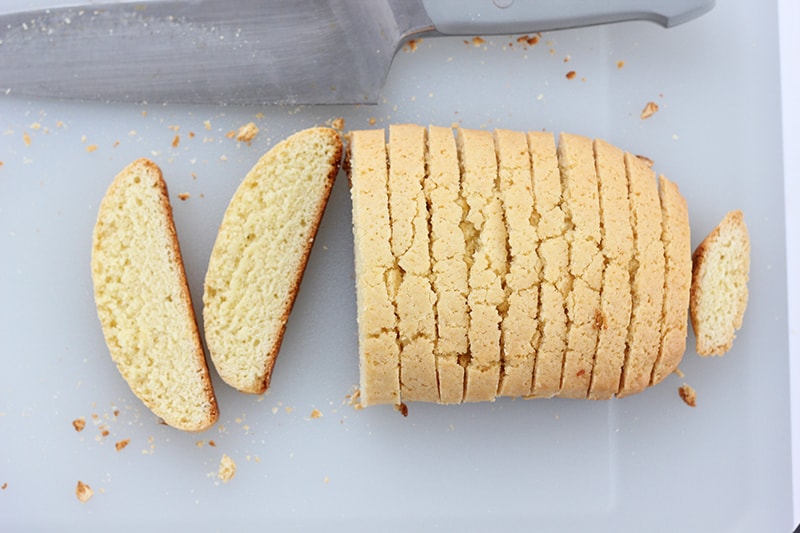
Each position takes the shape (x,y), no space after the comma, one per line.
(260,254)
(143,300)
(530,268)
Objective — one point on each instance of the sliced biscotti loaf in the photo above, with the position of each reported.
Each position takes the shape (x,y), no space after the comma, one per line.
(519,328)
(582,209)
(676,236)
(719,285)
(260,255)
(617,248)
(410,241)
(647,275)
(143,300)
(485,233)
(553,252)
(449,261)
(375,269)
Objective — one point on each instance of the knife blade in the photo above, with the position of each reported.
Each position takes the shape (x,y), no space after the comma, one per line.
(264,51)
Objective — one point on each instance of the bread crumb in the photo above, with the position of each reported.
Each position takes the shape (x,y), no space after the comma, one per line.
(679,373)
(288,409)
(411,45)
(79,424)
(649,110)
(477,41)
(199,444)
(227,468)
(183,195)
(338,123)
(212,443)
(120,445)
(315,414)
(91,148)
(688,395)
(26,138)
(402,409)
(176,141)
(530,41)
(83,491)
(207,124)
(325,480)
(4,486)
(372,121)
(247,132)
(620,64)
(571,74)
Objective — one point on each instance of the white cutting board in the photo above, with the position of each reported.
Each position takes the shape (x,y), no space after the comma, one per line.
(645,463)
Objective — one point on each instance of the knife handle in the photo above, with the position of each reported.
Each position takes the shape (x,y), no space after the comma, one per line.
(493,17)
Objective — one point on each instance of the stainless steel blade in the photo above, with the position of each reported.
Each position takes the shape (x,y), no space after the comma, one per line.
(208,51)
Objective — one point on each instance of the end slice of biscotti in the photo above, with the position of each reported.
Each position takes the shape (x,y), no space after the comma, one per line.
(718,295)
(143,300)
(260,255)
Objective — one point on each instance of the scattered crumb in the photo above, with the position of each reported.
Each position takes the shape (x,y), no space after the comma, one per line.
(91,148)
(231,134)
(411,45)
(191,134)
(679,373)
(289,409)
(207,124)
(144,113)
(4,486)
(26,138)
(176,141)
(120,445)
(1,163)
(649,110)
(183,195)
(325,480)
(620,64)
(259,115)
(83,491)
(227,468)
(571,74)
(116,143)
(338,123)
(36,126)
(688,395)
(212,443)
(247,132)
(530,41)
(199,444)
(566,59)
(315,414)
(372,121)
(402,409)
(79,424)
(477,41)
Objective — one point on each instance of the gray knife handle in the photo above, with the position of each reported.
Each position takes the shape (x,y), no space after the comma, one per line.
(470,17)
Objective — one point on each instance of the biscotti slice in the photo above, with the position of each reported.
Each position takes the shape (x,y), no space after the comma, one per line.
(410,246)
(449,262)
(375,269)
(617,249)
(678,279)
(143,300)
(260,255)
(554,256)
(486,245)
(721,269)
(644,333)
(520,330)
(582,208)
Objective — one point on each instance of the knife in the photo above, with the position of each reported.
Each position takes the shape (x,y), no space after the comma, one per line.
(265,51)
